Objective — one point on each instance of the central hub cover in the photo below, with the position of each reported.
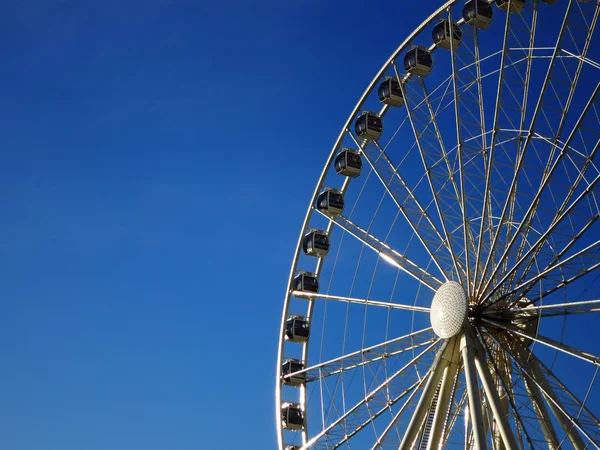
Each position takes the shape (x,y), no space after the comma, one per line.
(449,309)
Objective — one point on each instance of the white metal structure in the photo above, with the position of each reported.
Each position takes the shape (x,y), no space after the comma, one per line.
(481,195)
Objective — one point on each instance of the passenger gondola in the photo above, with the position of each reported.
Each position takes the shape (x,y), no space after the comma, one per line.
(297,329)
(316,243)
(478,13)
(418,61)
(306,282)
(330,202)
(348,163)
(292,366)
(516,6)
(292,416)
(390,93)
(446,35)
(369,126)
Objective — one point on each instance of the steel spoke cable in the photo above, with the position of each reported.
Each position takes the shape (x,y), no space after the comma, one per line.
(521,153)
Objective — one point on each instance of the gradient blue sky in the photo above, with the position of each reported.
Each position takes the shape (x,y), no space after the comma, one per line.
(156,160)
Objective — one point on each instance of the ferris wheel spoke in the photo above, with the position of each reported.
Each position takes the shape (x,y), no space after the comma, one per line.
(411,209)
(471,137)
(410,391)
(595,360)
(510,109)
(369,355)
(356,416)
(386,252)
(558,275)
(554,97)
(486,208)
(436,163)
(549,241)
(562,309)
(571,414)
(446,355)
(562,212)
(361,301)
(556,258)
(384,435)
(564,218)
(513,206)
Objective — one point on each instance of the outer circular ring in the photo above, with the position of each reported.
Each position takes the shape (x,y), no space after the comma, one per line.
(328,163)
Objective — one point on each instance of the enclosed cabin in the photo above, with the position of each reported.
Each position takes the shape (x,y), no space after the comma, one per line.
(446,35)
(516,6)
(390,93)
(418,61)
(292,447)
(292,417)
(289,372)
(297,329)
(369,126)
(316,243)
(348,163)
(330,202)
(478,13)
(306,282)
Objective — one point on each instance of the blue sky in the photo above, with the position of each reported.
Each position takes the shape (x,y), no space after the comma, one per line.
(156,161)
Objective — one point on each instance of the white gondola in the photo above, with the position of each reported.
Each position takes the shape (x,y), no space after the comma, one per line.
(369,126)
(516,6)
(418,61)
(306,282)
(348,163)
(297,329)
(446,35)
(292,447)
(292,416)
(316,243)
(330,202)
(389,92)
(478,13)
(292,367)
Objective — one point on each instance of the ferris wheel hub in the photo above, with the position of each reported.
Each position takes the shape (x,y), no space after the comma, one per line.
(449,309)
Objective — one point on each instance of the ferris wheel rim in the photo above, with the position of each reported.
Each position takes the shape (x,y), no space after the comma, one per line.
(371,86)
(319,186)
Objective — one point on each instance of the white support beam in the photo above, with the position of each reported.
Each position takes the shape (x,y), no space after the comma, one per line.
(436,436)
(442,360)
(493,399)
(475,405)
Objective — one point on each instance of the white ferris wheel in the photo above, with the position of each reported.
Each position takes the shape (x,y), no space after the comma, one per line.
(442,291)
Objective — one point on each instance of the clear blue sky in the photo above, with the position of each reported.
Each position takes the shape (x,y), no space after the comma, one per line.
(156,160)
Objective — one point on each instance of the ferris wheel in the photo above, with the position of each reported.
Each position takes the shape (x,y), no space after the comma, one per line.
(442,293)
